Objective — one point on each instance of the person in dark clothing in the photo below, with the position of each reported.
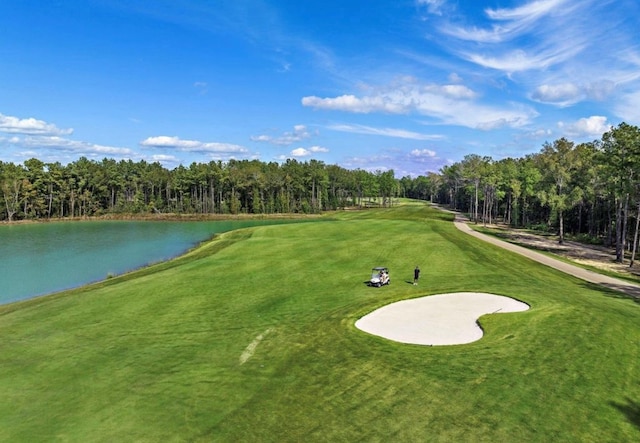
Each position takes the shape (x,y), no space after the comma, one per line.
(416,275)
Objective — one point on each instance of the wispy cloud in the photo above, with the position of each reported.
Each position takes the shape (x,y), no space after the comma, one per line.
(510,23)
(564,52)
(515,21)
(536,134)
(449,104)
(539,36)
(433,6)
(519,60)
(527,11)
(627,107)
(201,87)
(299,133)
(388,132)
(524,38)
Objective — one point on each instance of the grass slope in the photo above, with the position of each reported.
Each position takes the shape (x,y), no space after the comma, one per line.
(251,338)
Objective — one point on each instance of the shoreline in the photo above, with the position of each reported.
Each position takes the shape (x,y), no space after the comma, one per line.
(165,217)
(244,221)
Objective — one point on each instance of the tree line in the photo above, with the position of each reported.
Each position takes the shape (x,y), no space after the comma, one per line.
(84,188)
(590,190)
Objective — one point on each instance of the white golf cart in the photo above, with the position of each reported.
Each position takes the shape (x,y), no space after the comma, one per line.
(379,276)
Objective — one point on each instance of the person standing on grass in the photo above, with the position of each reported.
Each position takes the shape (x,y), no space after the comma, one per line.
(416,275)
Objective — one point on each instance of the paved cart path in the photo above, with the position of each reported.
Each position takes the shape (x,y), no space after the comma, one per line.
(616,284)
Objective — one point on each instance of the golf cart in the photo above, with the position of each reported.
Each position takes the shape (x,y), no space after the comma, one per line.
(379,276)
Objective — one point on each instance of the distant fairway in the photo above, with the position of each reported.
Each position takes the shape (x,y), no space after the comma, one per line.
(251,338)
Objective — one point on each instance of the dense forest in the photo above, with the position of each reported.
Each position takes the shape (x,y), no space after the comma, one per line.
(589,189)
(84,188)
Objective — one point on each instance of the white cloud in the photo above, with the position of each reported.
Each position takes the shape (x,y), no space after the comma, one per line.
(567,94)
(30,126)
(422,153)
(423,156)
(300,152)
(164,141)
(35,143)
(593,126)
(303,152)
(564,94)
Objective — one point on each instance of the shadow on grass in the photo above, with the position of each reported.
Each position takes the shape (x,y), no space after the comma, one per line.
(631,409)
(622,291)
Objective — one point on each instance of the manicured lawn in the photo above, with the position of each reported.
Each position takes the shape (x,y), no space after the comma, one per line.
(251,338)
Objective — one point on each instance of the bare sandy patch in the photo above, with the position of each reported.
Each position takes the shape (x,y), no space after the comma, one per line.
(251,348)
(435,320)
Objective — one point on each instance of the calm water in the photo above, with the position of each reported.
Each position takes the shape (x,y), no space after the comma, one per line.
(41,258)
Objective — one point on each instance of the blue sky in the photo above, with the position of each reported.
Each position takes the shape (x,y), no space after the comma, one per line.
(408,85)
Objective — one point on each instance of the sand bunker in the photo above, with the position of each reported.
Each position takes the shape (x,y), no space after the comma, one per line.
(444,319)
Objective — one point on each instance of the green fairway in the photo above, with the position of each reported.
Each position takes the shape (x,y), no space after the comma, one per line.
(251,338)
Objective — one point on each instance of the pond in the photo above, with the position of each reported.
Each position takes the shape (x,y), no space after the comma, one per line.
(41,258)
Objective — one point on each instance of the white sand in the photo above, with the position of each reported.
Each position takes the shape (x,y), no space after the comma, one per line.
(443,319)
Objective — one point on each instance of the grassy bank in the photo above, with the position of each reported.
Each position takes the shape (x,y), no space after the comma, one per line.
(251,338)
